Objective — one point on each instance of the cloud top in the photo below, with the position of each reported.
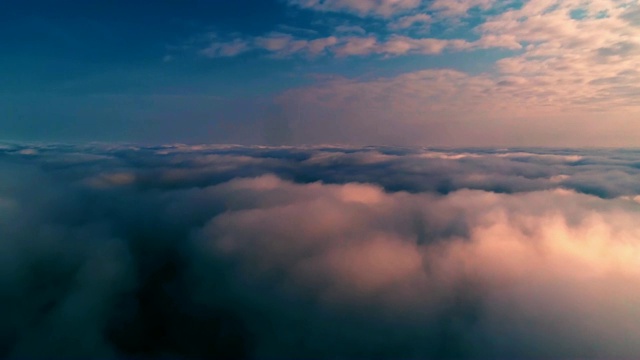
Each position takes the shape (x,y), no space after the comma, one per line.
(229,251)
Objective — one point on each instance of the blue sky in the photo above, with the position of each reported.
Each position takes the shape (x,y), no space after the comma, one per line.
(439,72)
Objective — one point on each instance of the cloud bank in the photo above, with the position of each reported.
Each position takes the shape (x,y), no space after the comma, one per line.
(229,251)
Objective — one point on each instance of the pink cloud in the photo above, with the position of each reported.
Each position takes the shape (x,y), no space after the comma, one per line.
(361,7)
(523,261)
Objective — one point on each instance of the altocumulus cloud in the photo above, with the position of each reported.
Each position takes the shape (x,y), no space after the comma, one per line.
(227,251)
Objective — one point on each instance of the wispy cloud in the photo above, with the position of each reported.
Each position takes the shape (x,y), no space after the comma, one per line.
(408,21)
(383,8)
(286,45)
(226,49)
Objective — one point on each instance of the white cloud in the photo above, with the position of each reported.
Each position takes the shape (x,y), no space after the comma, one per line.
(286,45)
(357,46)
(220,248)
(592,60)
(443,9)
(574,79)
(573,71)
(455,108)
(226,49)
(522,261)
(459,8)
(408,21)
(383,8)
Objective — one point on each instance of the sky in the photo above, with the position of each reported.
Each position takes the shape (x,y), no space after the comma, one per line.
(442,179)
(291,72)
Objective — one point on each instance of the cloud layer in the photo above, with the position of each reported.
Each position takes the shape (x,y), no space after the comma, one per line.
(192,251)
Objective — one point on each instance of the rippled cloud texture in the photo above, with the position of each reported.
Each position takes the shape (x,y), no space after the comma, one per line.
(186,251)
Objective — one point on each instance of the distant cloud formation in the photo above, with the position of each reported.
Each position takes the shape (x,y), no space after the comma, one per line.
(282,45)
(383,8)
(299,252)
(564,67)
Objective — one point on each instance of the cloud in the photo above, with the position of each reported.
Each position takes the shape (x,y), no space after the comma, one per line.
(632,15)
(557,58)
(299,30)
(569,62)
(557,91)
(358,40)
(229,251)
(516,255)
(382,8)
(350,29)
(443,9)
(410,20)
(283,45)
(587,60)
(276,43)
(459,8)
(226,49)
